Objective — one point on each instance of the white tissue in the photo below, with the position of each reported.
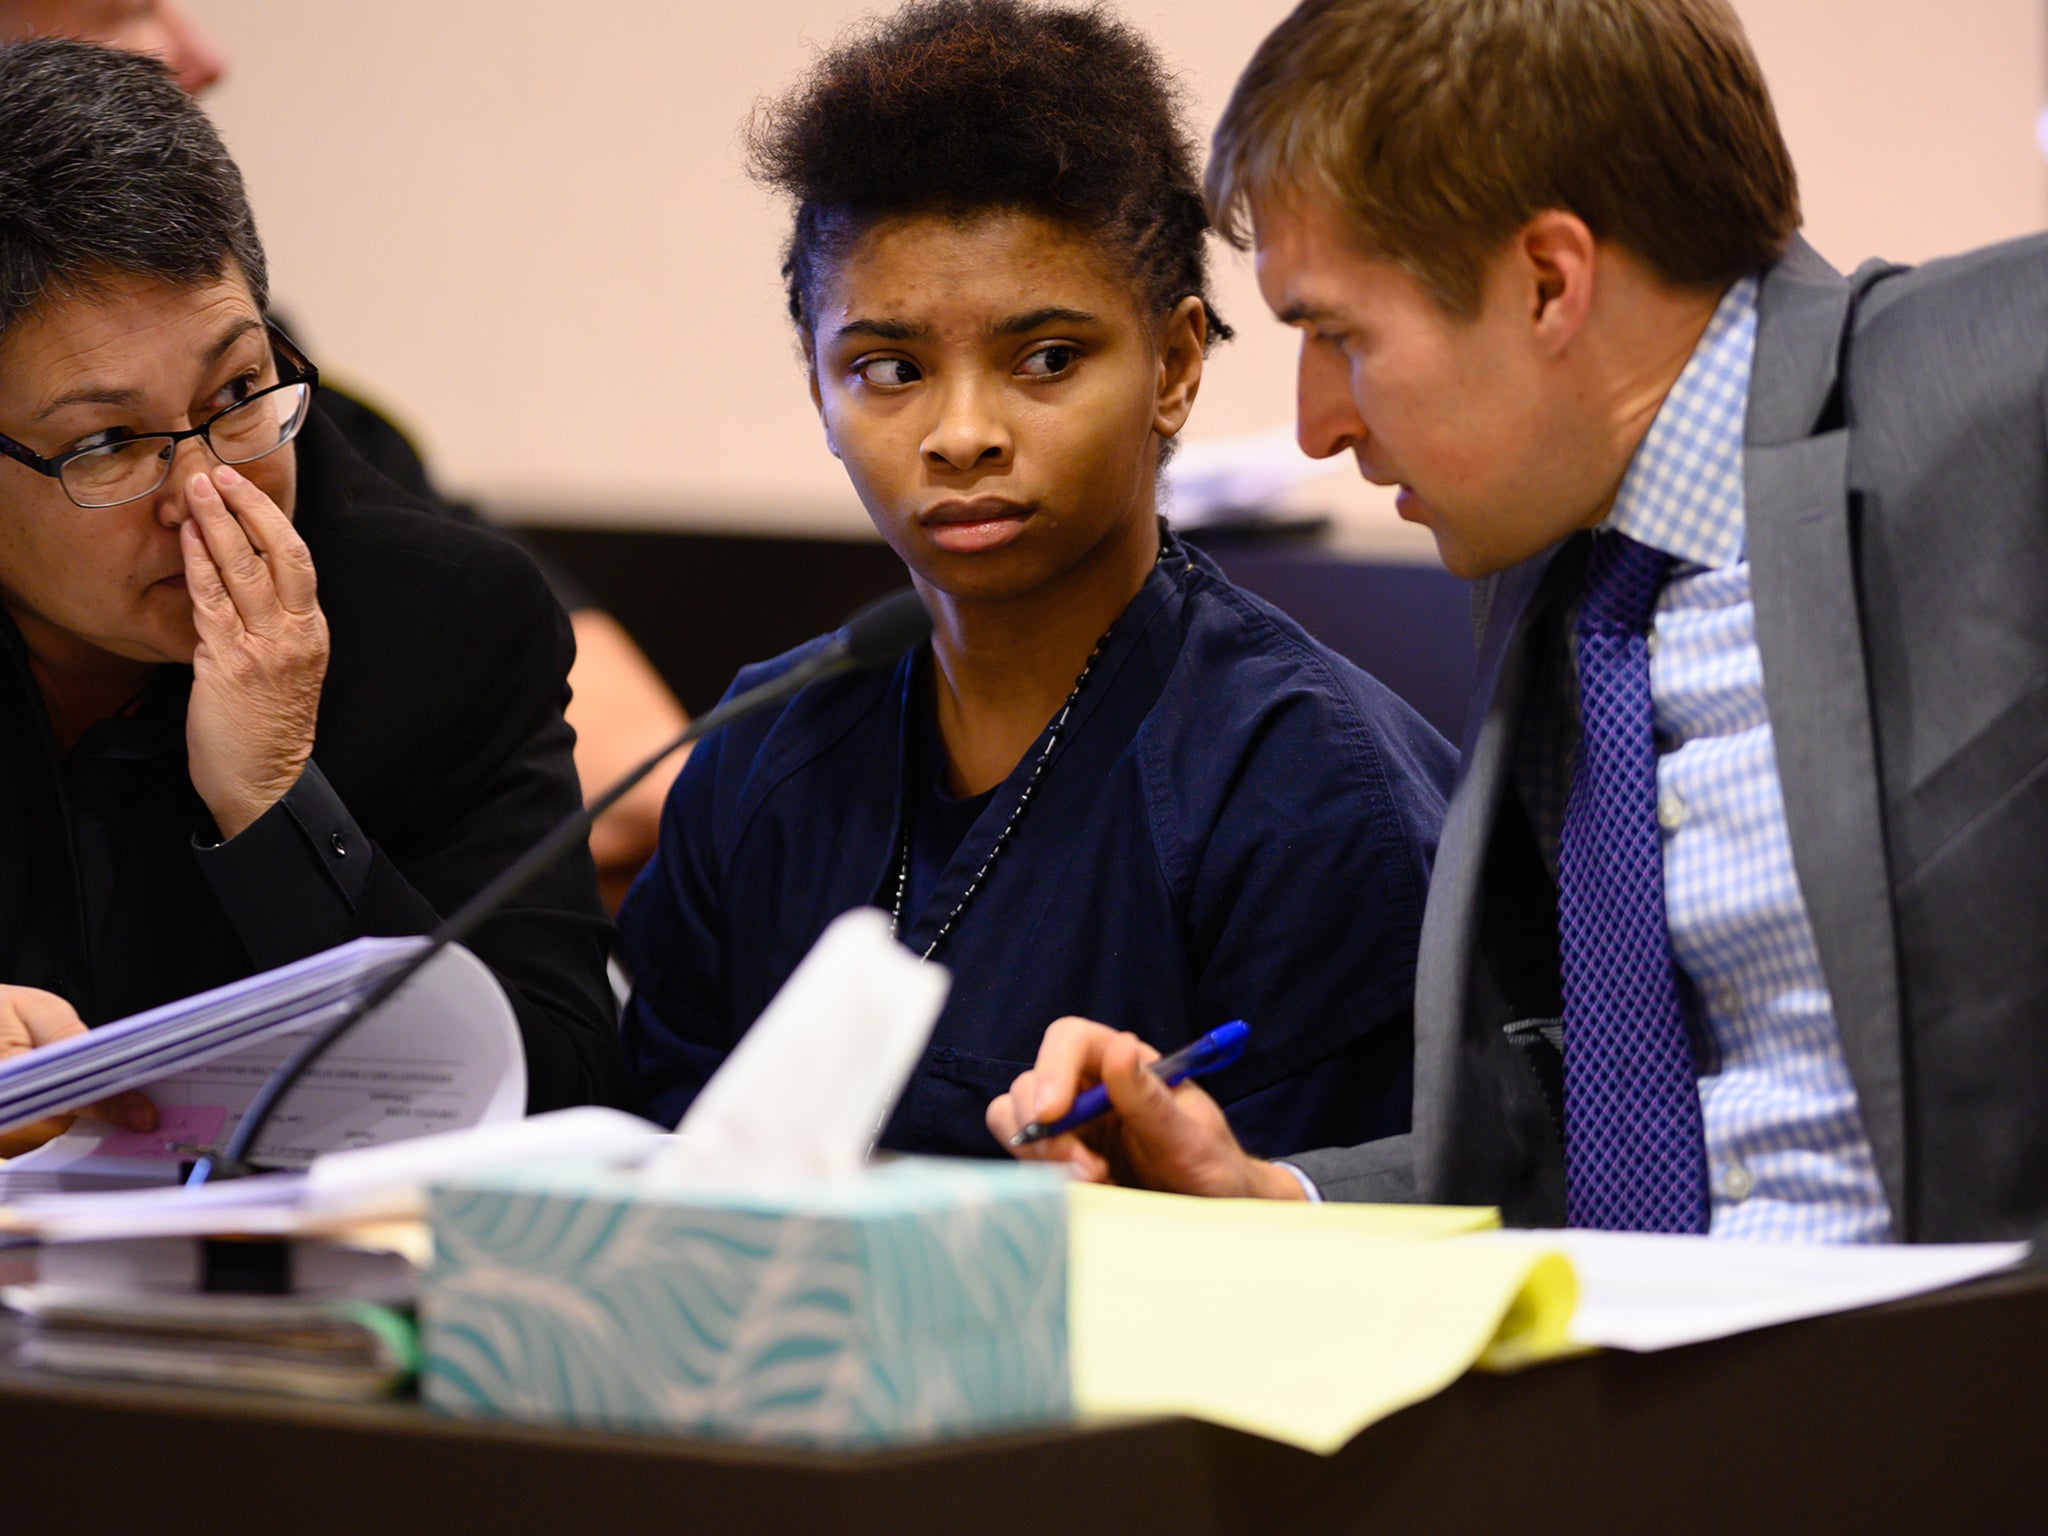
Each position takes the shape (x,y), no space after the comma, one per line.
(807,1089)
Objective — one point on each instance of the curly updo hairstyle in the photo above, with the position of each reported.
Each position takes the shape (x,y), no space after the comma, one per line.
(959,107)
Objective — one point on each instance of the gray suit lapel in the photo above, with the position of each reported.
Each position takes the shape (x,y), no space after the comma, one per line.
(1453,1068)
(1809,630)
(1507,651)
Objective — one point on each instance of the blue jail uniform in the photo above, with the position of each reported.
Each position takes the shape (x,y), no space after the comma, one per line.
(1237,822)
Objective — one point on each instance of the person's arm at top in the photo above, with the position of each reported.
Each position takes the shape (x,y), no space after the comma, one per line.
(622,712)
(493,774)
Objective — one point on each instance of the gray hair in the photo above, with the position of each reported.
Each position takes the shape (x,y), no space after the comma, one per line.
(108,167)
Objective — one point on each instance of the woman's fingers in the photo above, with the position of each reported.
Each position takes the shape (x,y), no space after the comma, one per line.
(132,1111)
(30,1018)
(1009,1114)
(271,534)
(1076,1054)
(1133,1090)
(1006,1116)
(242,570)
(213,611)
(1171,1138)
(1087,1164)
(26,1138)
(1069,1060)
(257,674)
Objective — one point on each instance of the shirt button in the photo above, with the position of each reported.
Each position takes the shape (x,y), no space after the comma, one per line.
(339,843)
(1650,643)
(1736,1183)
(1670,812)
(1727,998)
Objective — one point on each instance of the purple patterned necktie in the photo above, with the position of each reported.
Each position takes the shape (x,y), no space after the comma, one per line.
(1635,1152)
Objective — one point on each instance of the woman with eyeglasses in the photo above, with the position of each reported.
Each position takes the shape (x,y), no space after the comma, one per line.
(251,706)
(1113,784)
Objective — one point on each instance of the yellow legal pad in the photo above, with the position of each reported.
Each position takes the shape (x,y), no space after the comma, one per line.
(1303,1323)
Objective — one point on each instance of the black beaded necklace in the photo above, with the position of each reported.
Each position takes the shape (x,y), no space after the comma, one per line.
(1052,740)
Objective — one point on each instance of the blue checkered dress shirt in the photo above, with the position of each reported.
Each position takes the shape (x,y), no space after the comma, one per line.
(1787,1155)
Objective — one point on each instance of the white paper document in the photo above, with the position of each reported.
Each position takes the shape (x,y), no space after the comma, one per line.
(382,1183)
(444,1054)
(1648,1291)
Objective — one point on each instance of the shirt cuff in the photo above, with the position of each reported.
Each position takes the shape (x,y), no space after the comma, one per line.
(1308,1185)
(291,880)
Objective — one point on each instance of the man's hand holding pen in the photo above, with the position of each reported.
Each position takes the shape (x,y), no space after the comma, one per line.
(1154,1137)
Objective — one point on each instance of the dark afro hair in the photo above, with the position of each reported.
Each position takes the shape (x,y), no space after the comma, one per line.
(961,106)
(106,166)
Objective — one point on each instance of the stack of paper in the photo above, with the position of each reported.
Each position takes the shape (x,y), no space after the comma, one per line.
(443,1053)
(306,1347)
(378,1263)
(340,1192)
(1306,1323)
(138,1050)
(295,1283)
(1649,1291)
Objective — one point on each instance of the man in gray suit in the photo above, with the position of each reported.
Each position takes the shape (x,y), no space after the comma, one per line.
(1737,923)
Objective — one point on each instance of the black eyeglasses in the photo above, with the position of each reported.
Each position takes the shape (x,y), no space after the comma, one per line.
(129,468)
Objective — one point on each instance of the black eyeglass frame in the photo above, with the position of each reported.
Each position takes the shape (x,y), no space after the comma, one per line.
(288,355)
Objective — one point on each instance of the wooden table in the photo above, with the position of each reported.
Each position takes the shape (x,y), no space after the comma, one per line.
(1925,1416)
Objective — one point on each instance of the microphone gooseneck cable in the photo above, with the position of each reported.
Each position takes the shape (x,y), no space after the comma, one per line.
(875,636)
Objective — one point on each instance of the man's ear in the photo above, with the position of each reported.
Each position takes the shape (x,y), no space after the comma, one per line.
(1182,335)
(1558,259)
(817,394)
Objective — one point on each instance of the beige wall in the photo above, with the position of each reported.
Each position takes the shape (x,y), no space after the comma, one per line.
(524,226)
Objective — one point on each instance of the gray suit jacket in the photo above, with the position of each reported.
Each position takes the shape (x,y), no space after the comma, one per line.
(1896,474)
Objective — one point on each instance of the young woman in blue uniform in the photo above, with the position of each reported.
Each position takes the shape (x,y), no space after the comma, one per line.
(1113,784)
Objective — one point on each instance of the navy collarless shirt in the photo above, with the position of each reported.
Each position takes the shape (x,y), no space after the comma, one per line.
(1237,823)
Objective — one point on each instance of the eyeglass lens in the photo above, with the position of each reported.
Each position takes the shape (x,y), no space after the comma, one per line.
(124,471)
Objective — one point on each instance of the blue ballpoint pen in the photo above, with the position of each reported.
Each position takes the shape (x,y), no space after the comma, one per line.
(1214,1051)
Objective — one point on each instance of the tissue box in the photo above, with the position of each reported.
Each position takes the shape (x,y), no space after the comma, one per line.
(922,1298)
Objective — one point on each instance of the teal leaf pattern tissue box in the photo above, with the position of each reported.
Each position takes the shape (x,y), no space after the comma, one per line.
(926,1298)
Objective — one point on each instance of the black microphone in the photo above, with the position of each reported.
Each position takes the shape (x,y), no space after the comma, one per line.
(874,637)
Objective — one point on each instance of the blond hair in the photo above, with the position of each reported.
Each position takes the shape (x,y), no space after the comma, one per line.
(1438,128)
